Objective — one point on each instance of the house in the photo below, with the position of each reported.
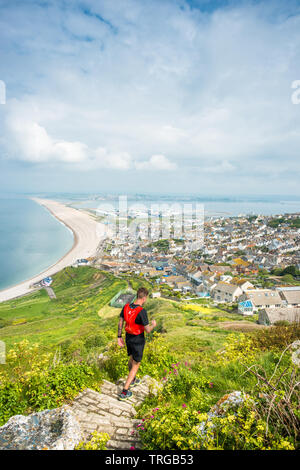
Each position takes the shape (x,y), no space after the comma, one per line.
(156,295)
(184,285)
(203,295)
(244,285)
(218,269)
(47,281)
(82,262)
(263,298)
(246,307)
(226,278)
(196,278)
(290,296)
(269,316)
(225,292)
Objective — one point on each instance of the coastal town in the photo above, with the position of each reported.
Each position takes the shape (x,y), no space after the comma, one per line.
(250,264)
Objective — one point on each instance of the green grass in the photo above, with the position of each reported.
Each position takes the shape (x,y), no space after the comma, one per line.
(80,296)
(82,309)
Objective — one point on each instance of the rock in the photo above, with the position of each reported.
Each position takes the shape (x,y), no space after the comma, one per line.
(295,347)
(102,358)
(56,429)
(230,402)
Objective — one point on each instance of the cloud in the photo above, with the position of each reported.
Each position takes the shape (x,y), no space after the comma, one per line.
(34,144)
(219,167)
(156,162)
(173,85)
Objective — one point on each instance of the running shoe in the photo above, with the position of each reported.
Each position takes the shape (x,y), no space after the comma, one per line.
(134,383)
(125,395)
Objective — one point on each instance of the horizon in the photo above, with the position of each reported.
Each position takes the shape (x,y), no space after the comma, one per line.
(157,194)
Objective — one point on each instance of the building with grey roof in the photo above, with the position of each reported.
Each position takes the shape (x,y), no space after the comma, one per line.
(269,316)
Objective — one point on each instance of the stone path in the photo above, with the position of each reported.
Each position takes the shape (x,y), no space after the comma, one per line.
(50,292)
(103,412)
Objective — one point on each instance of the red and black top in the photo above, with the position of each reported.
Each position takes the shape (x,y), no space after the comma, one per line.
(136,319)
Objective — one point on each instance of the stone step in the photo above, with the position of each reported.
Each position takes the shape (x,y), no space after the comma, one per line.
(122,445)
(100,403)
(103,412)
(122,429)
(140,392)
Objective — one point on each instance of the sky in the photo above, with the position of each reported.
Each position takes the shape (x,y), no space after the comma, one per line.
(168,96)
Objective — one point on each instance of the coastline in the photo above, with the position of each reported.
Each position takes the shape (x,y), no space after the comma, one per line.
(87,234)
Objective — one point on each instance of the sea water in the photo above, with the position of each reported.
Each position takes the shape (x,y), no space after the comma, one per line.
(31,240)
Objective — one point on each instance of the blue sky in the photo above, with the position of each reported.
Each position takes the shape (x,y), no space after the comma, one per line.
(150,95)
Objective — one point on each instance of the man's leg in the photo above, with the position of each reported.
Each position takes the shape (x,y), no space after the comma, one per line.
(132,373)
(130,363)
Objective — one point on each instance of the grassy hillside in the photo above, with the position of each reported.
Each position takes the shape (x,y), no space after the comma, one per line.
(199,352)
(81,293)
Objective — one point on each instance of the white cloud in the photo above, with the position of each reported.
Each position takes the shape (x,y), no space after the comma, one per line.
(156,162)
(219,167)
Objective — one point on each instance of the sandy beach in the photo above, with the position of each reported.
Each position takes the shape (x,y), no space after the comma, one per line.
(87,235)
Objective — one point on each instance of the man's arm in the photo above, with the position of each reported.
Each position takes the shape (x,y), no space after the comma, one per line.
(120,328)
(149,328)
(144,321)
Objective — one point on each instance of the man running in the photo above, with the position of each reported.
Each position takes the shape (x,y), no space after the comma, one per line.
(137,322)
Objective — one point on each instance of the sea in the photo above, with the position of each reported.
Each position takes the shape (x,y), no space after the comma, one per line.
(31,239)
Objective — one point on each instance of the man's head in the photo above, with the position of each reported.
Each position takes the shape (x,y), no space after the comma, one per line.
(142,295)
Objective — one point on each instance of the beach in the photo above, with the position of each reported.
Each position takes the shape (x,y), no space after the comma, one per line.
(87,234)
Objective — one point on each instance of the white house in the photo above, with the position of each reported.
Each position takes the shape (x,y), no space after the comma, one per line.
(225,292)
(263,298)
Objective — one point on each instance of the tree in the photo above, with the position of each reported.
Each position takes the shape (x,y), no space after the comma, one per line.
(288,278)
(292,270)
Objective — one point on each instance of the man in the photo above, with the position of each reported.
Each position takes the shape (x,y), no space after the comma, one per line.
(136,319)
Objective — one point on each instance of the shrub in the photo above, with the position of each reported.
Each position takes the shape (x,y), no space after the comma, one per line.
(34,380)
(182,381)
(237,348)
(96,341)
(279,393)
(281,323)
(52,387)
(11,401)
(184,428)
(173,427)
(276,337)
(97,442)
(243,430)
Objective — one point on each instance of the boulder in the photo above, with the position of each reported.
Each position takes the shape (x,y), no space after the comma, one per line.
(230,402)
(56,429)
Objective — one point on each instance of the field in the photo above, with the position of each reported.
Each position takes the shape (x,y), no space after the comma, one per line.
(200,352)
(81,292)
(82,308)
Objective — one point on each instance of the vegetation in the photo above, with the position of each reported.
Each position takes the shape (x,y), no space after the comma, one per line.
(294,222)
(199,352)
(98,441)
(162,245)
(292,271)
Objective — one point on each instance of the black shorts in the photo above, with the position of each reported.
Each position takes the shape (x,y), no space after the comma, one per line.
(135,346)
